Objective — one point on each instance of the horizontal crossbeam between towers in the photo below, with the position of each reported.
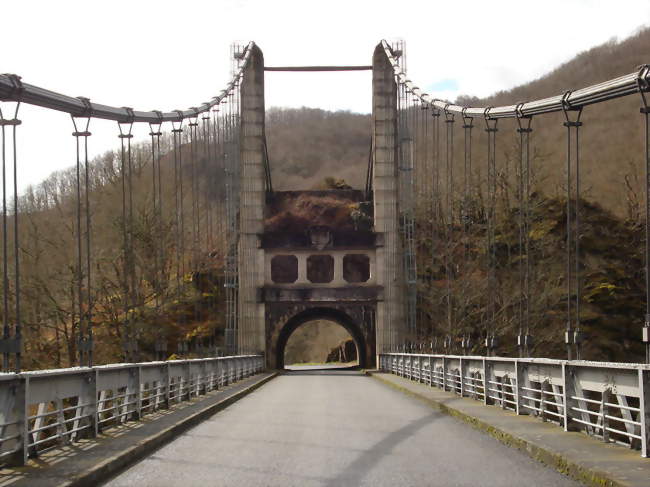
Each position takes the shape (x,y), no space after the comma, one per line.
(317,68)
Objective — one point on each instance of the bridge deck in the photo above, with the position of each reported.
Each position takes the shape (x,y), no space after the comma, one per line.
(335,428)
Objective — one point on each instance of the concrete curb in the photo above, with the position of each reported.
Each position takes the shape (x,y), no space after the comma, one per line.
(110,466)
(557,461)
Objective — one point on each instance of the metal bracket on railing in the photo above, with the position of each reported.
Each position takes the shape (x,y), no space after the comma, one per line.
(87,111)
(523,121)
(130,115)
(466,344)
(16,87)
(10,345)
(468,121)
(449,116)
(159,114)
(524,340)
(643,84)
(568,107)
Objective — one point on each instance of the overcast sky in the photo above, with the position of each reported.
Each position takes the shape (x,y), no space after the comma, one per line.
(175,54)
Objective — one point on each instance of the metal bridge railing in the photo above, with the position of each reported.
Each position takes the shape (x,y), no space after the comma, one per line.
(47,409)
(610,401)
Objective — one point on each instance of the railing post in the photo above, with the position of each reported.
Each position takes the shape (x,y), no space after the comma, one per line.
(409,367)
(138,391)
(542,400)
(21,414)
(203,385)
(216,370)
(186,379)
(13,410)
(605,412)
(568,390)
(486,378)
(644,413)
(520,370)
(166,377)
(430,370)
(91,397)
(461,370)
(444,373)
(502,390)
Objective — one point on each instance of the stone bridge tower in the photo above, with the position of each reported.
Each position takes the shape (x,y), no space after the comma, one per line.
(320,265)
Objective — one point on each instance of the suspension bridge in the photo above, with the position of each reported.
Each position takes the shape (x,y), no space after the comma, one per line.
(210,196)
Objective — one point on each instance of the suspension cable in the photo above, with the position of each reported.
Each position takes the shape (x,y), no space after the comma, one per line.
(491,129)
(84,336)
(207,151)
(219,166)
(425,182)
(573,336)
(208,206)
(644,87)
(415,192)
(10,345)
(449,227)
(468,125)
(232,227)
(435,200)
(194,261)
(179,227)
(155,133)
(125,136)
(524,339)
(193,125)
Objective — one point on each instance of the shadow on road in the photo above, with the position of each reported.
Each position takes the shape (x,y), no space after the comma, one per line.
(357,470)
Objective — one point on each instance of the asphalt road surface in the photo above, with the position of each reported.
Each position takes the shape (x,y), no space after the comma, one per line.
(335,428)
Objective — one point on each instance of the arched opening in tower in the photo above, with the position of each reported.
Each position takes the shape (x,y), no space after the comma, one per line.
(320,342)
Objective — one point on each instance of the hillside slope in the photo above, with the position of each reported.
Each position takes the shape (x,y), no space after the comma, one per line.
(305,147)
(612,133)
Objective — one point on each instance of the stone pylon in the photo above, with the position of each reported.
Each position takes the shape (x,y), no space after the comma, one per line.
(390,315)
(251,334)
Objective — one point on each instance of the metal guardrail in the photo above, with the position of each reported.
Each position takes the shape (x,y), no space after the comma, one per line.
(614,88)
(47,409)
(610,401)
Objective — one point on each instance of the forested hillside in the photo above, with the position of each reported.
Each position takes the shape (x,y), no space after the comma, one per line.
(611,235)
(305,147)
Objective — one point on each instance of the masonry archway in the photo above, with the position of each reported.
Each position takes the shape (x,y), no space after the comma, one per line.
(321,313)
